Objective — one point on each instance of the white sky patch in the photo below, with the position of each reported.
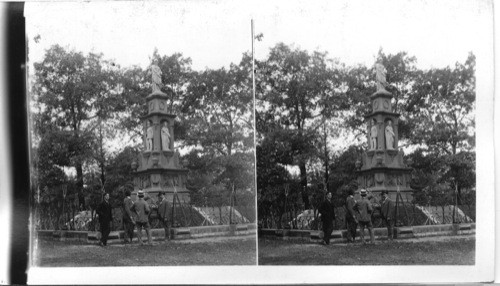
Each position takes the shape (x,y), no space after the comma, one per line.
(217,33)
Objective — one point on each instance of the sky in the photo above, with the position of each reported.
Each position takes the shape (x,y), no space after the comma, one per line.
(216,33)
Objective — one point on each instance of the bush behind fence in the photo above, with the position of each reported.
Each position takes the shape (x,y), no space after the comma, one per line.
(407,214)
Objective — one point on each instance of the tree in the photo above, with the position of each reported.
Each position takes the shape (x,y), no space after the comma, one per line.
(120,174)
(446,109)
(218,109)
(50,158)
(343,170)
(445,116)
(294,89)
(436,178)
(427,170)
(302,97)
(461,172)
(271,181)
(71,91)
(203,172)
(134,89)
(357,85)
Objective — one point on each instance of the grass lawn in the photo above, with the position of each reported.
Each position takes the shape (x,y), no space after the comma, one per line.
(231,251)
(457,250)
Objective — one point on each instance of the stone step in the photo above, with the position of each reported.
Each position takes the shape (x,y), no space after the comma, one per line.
(156,234)
(339,236)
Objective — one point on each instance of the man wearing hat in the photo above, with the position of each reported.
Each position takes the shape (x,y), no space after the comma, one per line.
(128,219)
(365,216)
(163,213)
(141,208)
(387,211)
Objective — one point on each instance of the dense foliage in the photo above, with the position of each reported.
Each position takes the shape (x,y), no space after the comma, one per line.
(86,112)
(310,127)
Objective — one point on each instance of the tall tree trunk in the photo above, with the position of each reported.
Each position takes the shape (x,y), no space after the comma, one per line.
(326,162)
(78,164)
(102,163)
(103,176)
(79,177)
(230,141)
(303,184)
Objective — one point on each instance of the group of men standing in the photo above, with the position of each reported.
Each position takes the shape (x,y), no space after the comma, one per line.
(358,213)
(135,214)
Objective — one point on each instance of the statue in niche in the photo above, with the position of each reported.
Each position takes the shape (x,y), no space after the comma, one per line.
(373,135)
(145,182)
(380,77)
(156,78)
(389,136)
(149,137)
(165,137)
(369,181)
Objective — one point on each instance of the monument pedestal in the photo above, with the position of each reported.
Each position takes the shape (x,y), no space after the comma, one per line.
(157,168)
(382,168)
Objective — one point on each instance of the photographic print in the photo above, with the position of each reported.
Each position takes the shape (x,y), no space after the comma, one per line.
(366,133)
(261,142)
(142,135)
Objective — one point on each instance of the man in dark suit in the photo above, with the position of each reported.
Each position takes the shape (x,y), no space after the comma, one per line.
(350,217)
(164,214)
(327,212)
(104,211)
(387,211)
(128,218)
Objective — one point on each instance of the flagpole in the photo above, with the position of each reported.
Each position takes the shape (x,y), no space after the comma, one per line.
(255,129)
(253,66)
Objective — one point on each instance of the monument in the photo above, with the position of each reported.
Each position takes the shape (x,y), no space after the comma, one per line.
(157,167)
(382,167)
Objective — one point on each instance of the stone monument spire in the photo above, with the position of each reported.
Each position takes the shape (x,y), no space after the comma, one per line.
(157,167)
(382,167)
